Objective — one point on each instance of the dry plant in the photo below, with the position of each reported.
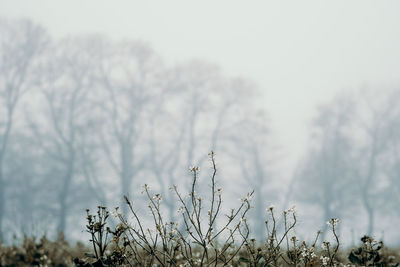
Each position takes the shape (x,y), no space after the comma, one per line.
(196,240)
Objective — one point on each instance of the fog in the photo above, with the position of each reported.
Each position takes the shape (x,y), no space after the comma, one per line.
(298,101)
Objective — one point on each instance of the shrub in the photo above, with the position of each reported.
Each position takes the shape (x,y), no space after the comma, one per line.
(40,253)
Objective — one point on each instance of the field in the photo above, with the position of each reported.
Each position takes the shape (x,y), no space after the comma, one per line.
(196,240)
(43,252)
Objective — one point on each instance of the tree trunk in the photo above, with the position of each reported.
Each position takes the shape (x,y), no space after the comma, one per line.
(327,217)
(370,212)
(125,185)
(126,171)
(63,213)
(126,180)
(2,181)
(260,176)
(367,185)
(2,203)
(259,216)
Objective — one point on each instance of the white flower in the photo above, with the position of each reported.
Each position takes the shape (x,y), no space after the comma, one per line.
(181,210)
(246,199)
(116,213)
(292,209)
(157,196)
(271,240)
(325,245)
(324,260)
(333,222)
(194,168)
(219,191)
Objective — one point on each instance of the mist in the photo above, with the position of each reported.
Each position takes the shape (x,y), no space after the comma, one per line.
(90,114)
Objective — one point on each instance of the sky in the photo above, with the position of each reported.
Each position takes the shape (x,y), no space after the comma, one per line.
(299,53)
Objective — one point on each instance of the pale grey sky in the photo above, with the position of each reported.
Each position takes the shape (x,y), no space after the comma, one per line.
(300,53)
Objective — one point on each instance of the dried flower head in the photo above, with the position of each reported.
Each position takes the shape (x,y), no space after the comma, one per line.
(333,222)
(194,168)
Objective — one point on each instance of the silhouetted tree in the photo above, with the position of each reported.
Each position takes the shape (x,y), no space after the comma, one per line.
(253,152)
(20,43)
(67,87)
(375,121)
(205,105)
(128,78)
(326,178)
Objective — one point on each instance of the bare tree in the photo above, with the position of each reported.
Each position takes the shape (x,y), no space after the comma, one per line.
(391,163)
(66,86)
(375,121)
(22,167)
(128,75)
(253,153)
(326,178)
(117,98)
(203,103)
(20,43)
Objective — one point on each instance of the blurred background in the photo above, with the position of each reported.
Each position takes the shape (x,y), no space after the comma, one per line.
(299,100)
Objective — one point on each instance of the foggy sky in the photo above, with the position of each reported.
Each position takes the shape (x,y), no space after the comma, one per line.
(299,53)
